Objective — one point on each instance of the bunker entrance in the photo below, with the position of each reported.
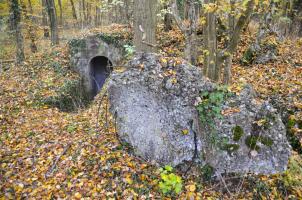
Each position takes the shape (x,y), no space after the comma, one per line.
(100,69)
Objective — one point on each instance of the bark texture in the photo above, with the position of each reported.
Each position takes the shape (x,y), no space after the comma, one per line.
(44,19)
(145,25)
(30,28)
(188,29)
(16,19)
(53,22)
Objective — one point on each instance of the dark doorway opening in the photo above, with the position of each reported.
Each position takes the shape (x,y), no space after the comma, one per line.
(100,69)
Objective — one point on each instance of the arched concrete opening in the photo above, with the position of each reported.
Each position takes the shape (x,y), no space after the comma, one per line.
(100,69)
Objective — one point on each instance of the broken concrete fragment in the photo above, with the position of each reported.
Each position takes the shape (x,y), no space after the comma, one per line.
(153,101)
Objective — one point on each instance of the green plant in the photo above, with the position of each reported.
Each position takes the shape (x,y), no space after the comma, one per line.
(170,182)
(210,109)
(207,172)
(129,50)
(71,128)
(70,96)
(58,68)
(293,175)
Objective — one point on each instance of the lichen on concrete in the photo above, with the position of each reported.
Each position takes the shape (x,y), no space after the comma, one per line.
(154,100)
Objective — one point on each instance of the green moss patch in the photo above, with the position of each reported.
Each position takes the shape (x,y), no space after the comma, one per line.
(230,148)
(237,133)
(251,141)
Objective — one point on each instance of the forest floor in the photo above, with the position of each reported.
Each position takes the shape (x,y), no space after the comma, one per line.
(49,154)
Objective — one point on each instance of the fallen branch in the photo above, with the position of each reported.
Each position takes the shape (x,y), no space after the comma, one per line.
(50,171)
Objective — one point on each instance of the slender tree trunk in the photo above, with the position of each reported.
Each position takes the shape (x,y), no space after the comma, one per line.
(210,40)
(74,13)
(96,17)
(88,16)
(84,17)
(53,22)
(61,13)
(16,19)
(228,62)
(44,19)
(145,25)
(128,11)
(80,14)
(188,29)
(31,11)
(30,28)
(168,19)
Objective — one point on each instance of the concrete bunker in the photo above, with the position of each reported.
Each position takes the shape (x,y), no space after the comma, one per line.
(100,68)
(94,57)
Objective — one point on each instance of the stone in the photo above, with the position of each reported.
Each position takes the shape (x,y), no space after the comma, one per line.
(156,115)
(272,151)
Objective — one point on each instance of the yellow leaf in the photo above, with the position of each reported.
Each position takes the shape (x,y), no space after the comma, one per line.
(77,195)
(191,188)
(185,132)
(128,180)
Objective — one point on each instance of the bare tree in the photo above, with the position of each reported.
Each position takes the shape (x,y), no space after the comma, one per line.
(16,19)
(74,13)
(30,28)
(44,19)
(53,22)
(145,25)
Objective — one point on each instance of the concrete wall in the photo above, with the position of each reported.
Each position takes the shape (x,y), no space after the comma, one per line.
(83,50)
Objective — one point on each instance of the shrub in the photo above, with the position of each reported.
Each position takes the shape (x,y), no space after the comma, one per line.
(170,182)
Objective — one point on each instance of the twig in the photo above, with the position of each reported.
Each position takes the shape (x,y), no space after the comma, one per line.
(144,37)
(224,184)
(149,44)
(102,95)
(50,171)
(106,114)
(98,111)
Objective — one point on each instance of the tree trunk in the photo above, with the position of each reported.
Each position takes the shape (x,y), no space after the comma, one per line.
(88,16)
(74,13)
(128,11)
(44,19)
(31,11)
(53,22)
(84,17)
(16,19)
(189,31)
(96,17)
(210,41)
(191,52)
(30,28)
(61,13)
(228,62)
(145,25)
(168,19)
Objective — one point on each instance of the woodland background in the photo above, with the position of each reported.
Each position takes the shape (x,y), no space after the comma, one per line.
(46,152)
